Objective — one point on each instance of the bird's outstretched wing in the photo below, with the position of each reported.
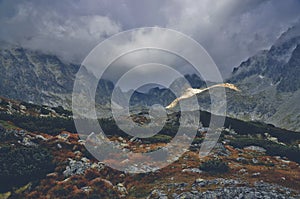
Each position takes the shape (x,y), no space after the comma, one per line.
(193,91)
(173,104)
(226,85)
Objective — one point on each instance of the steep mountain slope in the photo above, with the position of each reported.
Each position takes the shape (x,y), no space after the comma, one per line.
(35,77)
(270,83)
(44,79)
(40,78)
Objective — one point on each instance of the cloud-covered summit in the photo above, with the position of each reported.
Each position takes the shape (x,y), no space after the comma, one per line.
(230,30)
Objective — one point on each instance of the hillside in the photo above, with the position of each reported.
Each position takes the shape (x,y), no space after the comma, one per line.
(249,160)
(271,85)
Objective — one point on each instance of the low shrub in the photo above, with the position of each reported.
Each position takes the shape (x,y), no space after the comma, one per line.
(20,165)
(273,148)
(51,126)
(214,166)
(159,138)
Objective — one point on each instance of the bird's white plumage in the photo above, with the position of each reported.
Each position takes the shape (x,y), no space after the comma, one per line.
(190,92)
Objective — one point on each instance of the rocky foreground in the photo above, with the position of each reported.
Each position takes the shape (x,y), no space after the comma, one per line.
(231,189)
(69,171)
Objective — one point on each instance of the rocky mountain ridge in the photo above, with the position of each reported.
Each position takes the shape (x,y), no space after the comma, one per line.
(268,80)
(271,85)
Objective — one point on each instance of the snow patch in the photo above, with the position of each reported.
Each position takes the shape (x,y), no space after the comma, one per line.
(261,76)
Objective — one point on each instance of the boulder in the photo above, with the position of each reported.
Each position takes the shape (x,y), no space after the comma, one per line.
(192,170)
(255,148)
(157,194)
(121,189)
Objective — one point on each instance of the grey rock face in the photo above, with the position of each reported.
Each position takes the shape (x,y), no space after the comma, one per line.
(270,85)
(79,167)
(230,188)
(42,79)
(269,82)
(256,148)
(32,76)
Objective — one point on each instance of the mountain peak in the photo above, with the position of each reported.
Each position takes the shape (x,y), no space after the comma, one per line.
(291,33)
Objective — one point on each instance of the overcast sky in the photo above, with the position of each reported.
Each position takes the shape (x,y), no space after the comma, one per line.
(230,30)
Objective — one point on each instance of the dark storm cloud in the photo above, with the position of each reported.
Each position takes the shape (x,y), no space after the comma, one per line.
(231,30)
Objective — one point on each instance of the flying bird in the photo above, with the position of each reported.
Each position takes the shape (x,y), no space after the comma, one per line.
(190,92)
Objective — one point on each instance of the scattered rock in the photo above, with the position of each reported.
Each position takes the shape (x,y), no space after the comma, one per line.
(198,180)
(79,167)
(255,148)
(256,174)
(87,189)
(192,170)
(157,194)
(140,169)
(41,137)
(242,160)
(124,145)
(218,181)
(235,190)
(220,150)
(63,135)
(52,175)
(242,171)
(101,181)
(122,175)
(84,159)
(27,142)
(285,161)
(254,161)
(177,186)
(121,190)
(59,146)
(77,153)
(99,166)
